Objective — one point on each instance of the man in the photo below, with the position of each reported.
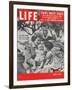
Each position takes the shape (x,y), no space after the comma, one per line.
(45,34)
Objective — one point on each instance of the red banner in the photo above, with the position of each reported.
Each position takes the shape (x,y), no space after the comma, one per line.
(39,76)
(51,16)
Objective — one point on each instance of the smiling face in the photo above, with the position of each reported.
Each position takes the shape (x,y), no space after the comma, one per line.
(37,41)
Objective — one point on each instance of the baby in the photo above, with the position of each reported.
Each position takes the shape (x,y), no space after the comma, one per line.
(40,56)
(54,58)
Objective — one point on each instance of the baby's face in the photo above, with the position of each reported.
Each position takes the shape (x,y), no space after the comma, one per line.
(40,47)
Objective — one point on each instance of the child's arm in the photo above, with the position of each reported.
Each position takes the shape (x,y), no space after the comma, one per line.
(40,65)
(38,69)
(48,57)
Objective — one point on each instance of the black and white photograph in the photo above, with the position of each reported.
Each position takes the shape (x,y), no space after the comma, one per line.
(40,47)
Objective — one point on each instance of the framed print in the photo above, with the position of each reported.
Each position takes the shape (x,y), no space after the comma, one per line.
(39,44)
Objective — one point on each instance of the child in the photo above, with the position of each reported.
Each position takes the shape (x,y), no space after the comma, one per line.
(40,56)
(48,57)
(54,58)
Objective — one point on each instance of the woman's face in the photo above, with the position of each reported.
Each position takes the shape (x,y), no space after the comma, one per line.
(37,41)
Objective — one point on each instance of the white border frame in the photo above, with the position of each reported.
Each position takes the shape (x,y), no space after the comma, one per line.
(50,81)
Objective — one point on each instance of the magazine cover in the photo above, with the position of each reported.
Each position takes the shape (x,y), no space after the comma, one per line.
(40,44)
(40,53)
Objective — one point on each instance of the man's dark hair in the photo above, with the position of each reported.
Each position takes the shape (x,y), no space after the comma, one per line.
(48,45)
(33,38)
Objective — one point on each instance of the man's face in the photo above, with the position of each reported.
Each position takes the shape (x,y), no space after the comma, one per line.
(45,32)
(61,33)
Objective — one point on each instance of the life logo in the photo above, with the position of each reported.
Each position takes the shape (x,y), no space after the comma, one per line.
(28,15)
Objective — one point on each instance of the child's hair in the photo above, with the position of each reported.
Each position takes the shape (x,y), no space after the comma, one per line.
(48,45)
(33,38)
